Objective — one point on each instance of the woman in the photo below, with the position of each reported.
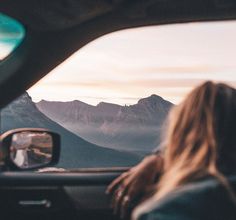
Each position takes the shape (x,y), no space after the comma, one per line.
(197,166)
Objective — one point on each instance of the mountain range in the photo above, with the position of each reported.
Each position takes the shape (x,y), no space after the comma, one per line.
(75,151)
(134,128)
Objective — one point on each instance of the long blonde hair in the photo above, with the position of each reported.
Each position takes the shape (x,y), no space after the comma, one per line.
(200,139)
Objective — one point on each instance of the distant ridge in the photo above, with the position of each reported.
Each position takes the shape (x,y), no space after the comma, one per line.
(132,128)
(75,151)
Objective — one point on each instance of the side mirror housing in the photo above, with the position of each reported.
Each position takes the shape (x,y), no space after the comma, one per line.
(29,148)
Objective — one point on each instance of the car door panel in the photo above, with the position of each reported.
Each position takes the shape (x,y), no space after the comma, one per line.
(27,195)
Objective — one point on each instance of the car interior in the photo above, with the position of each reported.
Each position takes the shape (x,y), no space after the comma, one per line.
(49,33)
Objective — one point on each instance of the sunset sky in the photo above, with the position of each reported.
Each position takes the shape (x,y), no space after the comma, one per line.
(125,66)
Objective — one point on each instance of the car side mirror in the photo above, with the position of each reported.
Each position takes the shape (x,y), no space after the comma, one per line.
(29,148)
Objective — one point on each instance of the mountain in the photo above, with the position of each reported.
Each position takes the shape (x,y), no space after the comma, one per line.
(75,151)
(131,128)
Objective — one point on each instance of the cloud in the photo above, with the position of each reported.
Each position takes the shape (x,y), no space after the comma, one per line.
(127,65)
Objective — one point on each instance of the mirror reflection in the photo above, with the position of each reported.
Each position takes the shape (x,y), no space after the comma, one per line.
(31,149)
(11,35)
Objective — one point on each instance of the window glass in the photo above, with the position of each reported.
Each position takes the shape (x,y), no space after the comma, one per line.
(110,99)
(11,35)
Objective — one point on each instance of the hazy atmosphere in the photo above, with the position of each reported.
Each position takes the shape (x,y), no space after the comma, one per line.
(125,66)
(109,101)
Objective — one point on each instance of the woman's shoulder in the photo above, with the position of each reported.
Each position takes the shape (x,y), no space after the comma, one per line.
(205,199)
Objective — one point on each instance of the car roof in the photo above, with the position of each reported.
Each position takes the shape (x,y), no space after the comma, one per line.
(56,29)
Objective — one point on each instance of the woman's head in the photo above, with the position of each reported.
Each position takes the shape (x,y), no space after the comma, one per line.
(201,136)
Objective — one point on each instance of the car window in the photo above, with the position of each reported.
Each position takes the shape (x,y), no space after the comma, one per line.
(12,33)
(109,100)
